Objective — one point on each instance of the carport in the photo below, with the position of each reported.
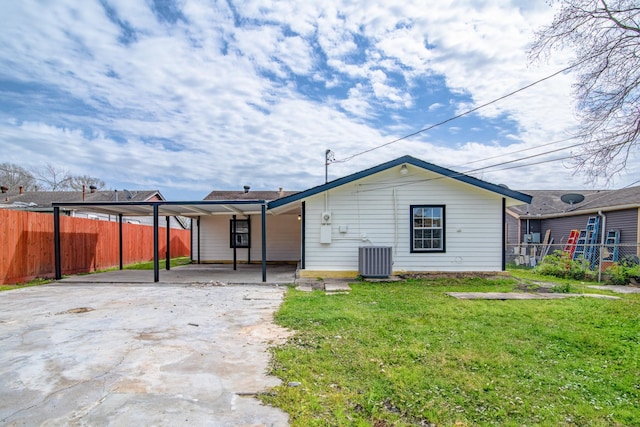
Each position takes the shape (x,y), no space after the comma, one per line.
(191,209)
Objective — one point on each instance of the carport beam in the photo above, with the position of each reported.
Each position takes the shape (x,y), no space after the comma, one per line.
(303,231)
(120,238)
(168,256)
(233,240)
(264,241)
(56,241)
(156,264)
(198,240)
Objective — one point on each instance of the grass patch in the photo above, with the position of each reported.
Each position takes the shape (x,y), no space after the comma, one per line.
(405,354)
(175,262)
(34,282)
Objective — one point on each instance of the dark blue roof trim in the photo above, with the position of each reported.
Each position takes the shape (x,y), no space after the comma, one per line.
(397,162)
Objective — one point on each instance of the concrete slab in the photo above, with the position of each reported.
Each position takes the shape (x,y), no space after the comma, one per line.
(521,295)
(127,354)
(195,273)
(336,286)
(617,289)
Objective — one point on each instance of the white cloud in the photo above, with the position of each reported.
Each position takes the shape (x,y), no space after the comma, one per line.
(201,85)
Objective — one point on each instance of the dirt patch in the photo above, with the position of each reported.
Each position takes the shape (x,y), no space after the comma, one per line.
(77,310)
(536,287)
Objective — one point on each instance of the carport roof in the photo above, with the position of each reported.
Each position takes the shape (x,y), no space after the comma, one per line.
(169,208)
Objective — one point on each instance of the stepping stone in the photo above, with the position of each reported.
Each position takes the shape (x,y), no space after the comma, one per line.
(336,288)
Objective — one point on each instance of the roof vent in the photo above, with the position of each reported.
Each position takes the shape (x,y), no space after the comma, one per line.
(4,189)
(246,188)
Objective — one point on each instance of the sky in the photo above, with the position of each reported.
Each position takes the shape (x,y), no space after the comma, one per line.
(190,96)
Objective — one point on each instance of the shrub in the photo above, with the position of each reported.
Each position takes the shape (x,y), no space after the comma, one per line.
(560,264)
(621,274)
(563,288)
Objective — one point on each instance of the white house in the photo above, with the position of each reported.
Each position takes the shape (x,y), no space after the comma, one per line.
(418,216)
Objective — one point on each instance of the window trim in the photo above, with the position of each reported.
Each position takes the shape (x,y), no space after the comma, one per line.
(412,230)
(233,222)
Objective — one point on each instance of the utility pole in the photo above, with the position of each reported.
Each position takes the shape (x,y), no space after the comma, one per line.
(328,158)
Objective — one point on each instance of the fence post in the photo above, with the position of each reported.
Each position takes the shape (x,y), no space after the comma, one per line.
(600,262)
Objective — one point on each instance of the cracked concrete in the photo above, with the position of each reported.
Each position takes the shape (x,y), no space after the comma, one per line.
(139,355)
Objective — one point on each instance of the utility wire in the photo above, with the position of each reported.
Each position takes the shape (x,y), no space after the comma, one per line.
(461,174)
(526,158)
(484,168)
(346,159)
(521,151)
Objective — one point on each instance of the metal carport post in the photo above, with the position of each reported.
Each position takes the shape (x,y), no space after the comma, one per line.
(56,241)
(263,213)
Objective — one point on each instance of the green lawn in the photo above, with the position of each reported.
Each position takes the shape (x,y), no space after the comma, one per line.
(404,353)
(148,265)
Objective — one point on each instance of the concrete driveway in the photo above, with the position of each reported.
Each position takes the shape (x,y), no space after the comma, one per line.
(114,354)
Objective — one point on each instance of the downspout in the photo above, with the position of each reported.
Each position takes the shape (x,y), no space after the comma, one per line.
(395,222)
(602,241)
(504,237)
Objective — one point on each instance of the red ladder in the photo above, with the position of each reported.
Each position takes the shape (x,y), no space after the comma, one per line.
(570,246)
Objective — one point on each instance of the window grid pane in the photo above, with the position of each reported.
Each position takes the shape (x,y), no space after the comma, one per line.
(427,228)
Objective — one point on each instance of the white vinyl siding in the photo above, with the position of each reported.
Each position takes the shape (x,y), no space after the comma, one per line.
(283,239)
(376,211)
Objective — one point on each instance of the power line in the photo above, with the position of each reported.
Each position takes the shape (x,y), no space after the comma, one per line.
(522,150)
(526,158)
(461,174)
(346,159)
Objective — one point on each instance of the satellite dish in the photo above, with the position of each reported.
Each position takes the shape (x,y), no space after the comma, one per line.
(572,198)
(128,194)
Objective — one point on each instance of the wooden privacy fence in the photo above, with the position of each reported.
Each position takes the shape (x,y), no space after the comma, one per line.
(27,251)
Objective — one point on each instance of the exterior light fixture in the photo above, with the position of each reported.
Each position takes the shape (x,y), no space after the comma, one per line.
(404,170)
(299,217)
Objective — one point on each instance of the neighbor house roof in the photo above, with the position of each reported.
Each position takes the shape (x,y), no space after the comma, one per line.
(44,199)
(248,195)
(499,189)
(548,202)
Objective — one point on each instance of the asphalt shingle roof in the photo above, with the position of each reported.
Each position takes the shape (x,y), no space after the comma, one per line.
(547,202)
(250,195)
(44,199)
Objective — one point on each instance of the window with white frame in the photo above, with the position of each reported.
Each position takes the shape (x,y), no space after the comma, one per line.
(427,228)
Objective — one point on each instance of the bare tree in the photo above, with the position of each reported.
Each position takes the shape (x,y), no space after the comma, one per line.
(605,37)
(78,181)
(13,177)
(53,178)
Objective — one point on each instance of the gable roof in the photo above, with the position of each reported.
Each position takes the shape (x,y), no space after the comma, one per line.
(45,199)
(525,198)
(548,202)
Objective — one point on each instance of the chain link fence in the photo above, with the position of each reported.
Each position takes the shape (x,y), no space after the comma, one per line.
(595,257)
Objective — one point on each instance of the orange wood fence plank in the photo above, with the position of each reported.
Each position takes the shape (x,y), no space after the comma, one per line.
(27,251)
